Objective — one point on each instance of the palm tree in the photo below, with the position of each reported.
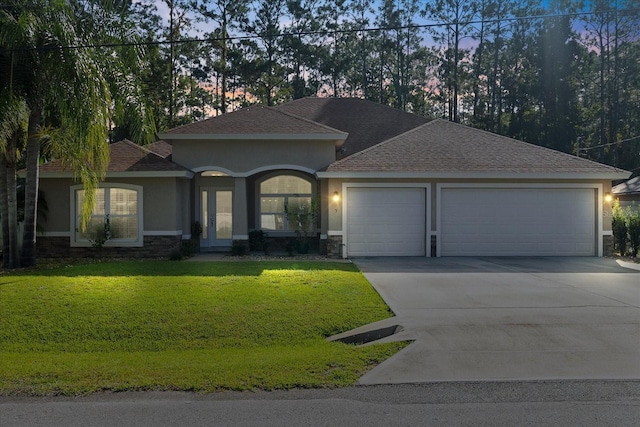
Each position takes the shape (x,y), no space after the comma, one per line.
(14,113)
(67,91)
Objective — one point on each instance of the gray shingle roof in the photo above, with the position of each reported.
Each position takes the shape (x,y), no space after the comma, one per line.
(257,119)
(366,122)
(631,186)
(125,156)
(161,148)
(445,147)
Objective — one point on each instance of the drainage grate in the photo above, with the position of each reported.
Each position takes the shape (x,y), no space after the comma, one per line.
(369,336)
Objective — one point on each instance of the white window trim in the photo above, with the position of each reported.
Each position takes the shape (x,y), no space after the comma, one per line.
(75,242)
(259,195)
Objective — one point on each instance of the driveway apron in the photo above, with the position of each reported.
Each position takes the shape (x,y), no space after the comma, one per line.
(507,318)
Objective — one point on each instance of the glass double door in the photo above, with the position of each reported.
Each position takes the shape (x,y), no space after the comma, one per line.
(216,217)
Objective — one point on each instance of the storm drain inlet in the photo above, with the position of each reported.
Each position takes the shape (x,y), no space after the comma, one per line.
(369,336)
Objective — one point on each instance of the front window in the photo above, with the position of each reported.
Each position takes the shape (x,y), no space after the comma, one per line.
(116,208)
(282,194)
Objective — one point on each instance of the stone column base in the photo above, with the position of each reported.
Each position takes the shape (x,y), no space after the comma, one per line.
(335,247)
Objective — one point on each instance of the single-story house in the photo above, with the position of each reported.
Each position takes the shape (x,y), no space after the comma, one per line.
(628,193)
(386,183)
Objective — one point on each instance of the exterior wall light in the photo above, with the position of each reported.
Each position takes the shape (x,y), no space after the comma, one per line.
(608,198)
(336,197)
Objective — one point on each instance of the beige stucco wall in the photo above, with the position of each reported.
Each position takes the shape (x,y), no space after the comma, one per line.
(163,202)
(244,156)
(56,193)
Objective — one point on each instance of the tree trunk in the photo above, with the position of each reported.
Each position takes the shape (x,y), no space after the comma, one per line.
(9,205)
(603,138)
(455,72)
(223,65)
(4,212)
(12,202)
(31,189)
(494,81)
(477,71)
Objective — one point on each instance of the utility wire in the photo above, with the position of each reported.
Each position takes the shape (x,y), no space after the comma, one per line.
(610,143)
(324,32)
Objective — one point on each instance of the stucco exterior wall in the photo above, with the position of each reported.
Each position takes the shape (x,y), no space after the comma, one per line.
(56,193)
(243,156)
(163,203)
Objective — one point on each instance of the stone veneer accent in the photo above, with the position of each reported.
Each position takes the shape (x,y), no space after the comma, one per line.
(334,247)
(607,245)
(154,247)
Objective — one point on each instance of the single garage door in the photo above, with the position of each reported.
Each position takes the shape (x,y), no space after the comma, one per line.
(386,222)
(517,222)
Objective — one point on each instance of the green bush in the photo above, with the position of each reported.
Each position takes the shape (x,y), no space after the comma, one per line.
(626,229)
(175,255)
(633,229)
(238,248)
(259,241)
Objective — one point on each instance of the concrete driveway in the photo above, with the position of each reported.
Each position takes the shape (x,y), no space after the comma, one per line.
(508,318)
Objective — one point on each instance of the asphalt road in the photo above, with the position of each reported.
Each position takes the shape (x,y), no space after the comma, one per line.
(541,403)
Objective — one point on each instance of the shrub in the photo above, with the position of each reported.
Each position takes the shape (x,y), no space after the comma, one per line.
(188,247)
(304,218)
(259,241)
(633,229)
(238,248)
(619,226)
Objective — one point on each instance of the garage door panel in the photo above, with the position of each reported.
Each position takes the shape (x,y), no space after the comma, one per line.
(517,221)
(386,221)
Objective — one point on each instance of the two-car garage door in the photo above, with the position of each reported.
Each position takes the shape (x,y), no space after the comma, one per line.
(476,221)
(517,221)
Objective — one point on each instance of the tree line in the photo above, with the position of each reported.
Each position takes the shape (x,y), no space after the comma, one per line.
(550,73)
(76,74)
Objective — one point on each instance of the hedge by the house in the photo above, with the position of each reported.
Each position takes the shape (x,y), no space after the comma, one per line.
(626,230)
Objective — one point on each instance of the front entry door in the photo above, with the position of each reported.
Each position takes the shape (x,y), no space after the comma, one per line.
(216,217)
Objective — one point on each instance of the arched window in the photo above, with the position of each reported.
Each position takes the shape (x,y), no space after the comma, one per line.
(118,208)
(279,194)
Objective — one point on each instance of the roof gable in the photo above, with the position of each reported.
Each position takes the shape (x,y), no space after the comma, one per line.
(449,148)
(254,120)
(366,122)
(125,156)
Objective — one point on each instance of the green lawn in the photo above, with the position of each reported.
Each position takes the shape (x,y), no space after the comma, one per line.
(161,325)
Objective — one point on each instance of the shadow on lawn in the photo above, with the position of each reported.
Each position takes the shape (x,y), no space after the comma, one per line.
(175,268)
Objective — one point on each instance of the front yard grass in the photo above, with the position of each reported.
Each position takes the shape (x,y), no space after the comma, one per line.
(205,327)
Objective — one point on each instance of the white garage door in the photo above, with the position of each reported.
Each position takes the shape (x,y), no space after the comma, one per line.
(386,222)
(517,222)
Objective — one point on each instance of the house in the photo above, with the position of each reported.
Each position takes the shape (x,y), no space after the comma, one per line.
(387,183)
(628,193)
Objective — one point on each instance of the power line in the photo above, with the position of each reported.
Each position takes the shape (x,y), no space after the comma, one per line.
(610,143)
(323,32)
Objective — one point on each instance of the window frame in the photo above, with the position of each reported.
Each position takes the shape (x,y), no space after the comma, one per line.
(78,241)
(286,231)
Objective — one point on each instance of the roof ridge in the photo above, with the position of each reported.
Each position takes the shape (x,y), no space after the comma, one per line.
(385,142)
(140,147)
(351,98)
(304,119)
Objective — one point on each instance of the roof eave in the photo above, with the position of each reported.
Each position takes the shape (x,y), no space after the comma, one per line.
(338,137)
(126,174)
(476,175)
